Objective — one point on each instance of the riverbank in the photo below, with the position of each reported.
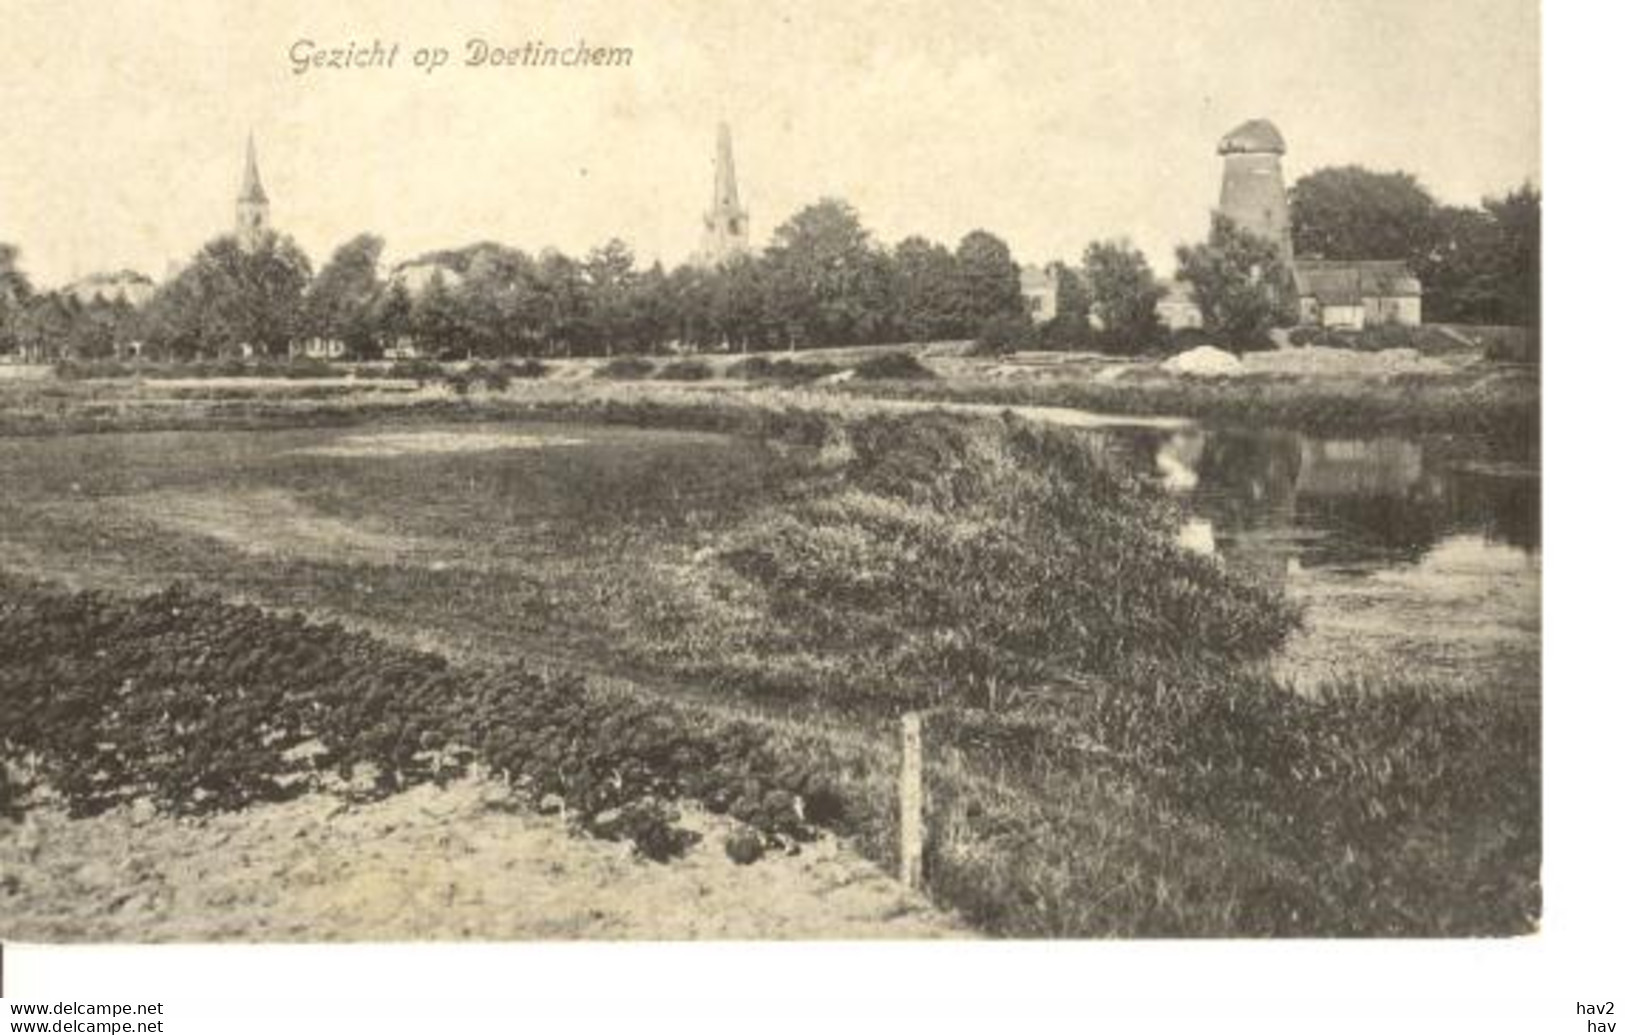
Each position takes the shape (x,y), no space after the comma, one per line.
(1096,717)
(1322,391)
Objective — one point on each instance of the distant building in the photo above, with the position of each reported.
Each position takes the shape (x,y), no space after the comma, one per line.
(253,206)
(122,286)
(416,275)
(1041,290)
(1254,192)
(1177,308)
(1348,294)
(1354,294)
(319,348)
(727,224)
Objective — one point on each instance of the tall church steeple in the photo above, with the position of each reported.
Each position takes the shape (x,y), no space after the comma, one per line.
(727,224)
(253,207)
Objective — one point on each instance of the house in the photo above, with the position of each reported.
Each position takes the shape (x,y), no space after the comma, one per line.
(417,275)
(318,348)
(1356,293)
(1041,290)
(124,285)
(1177,307)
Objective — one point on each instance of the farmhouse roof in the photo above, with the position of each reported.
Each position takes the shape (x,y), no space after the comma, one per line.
(1348,281)
(1255,136)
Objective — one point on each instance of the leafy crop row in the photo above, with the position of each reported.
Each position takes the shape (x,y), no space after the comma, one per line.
(203,705)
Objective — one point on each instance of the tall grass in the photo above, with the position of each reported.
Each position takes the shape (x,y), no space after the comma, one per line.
(1105,759)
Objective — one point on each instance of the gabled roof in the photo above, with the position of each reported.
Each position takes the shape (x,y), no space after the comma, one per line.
(1038,278)
(1255,136)
(1349,281)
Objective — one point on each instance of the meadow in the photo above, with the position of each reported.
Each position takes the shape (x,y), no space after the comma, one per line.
(1106,756)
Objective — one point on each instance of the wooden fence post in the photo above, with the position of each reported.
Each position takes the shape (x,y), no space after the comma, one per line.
(911,798)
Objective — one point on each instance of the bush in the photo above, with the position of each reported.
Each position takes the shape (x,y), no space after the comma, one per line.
(1003,332)
(787,371)
(1187,338)
(625,368)
(1372,338)
(685,370)
(893,366)
(1513,345)
(422,371)
(84,370)
(494,378)
(529,369)
(300,368)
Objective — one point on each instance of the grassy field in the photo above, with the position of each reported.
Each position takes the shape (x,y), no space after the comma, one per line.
(1106,758)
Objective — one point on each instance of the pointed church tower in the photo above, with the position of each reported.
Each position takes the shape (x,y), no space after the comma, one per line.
(253,207)
(727,224)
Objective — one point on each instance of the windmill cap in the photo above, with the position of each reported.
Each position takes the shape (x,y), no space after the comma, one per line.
(1256,136)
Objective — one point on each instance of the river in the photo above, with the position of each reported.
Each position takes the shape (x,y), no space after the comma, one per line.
(1411,556)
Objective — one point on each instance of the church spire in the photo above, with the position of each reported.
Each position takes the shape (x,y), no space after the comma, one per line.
(727,224)
(725,196)
(252,189)
(253,206)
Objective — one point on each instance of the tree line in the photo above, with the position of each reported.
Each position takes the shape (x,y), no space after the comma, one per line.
(822,280)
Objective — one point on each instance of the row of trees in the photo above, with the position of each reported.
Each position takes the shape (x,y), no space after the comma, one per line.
(1477,264)
(822,280)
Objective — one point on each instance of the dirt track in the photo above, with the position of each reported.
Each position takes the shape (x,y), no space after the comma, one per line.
(456,863)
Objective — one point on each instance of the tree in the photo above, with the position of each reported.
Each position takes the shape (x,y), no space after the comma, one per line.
(825,282)
(343,302)
(1460,275)
(1240,283)
(926,285)
(1484,267)
(560,303)
(500,304)
(1123,294)
(610,279)
(228,298)
(392,320)
(437,320)
(1349,212)
(14,295)
(1516,217)
(989,280)
(1070,328)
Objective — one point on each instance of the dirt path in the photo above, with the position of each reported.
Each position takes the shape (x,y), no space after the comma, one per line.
(459,862)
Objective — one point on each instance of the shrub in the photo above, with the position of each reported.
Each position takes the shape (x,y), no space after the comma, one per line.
(685,370)
(1003,332)
(530,369)
(422,371)
(494,378)
(84,370)
(625,368)
(787,371)
(893,366)
(1187,338)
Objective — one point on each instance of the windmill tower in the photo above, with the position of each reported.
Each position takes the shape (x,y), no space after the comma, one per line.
(1254,193)
(727,224)
(253,207)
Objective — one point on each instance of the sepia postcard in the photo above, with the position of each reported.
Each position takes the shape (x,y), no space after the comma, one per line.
(505,472)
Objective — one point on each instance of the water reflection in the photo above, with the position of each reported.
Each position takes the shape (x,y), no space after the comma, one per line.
(1405,552)
(1263,498)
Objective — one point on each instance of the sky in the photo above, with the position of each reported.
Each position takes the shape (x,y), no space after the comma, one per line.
(1049,122)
